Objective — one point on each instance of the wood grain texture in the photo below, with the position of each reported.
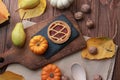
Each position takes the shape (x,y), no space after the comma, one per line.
(105,14)
(25,57)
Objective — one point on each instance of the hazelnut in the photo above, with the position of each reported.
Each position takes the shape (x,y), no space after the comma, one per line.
(97,77)
(90,24)
(78,15)
(85,8)
(93,50)
(64,77)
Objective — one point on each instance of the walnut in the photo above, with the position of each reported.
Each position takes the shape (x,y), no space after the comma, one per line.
(97,77)
(64,77)
(78,15)
(85,8)
(93,50)
(90,24)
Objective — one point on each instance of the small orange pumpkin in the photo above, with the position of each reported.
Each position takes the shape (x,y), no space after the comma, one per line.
(51,72)
(38,44)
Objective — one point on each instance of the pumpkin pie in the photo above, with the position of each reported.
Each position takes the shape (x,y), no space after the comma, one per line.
(59,32)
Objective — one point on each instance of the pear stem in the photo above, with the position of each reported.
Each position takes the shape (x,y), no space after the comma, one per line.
(17,10)
(23,17)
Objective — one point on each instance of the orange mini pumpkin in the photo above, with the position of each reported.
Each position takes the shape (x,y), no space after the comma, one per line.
(51,72)
(38,44)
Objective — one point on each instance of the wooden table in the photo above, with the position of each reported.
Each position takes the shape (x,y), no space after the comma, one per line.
(105,14)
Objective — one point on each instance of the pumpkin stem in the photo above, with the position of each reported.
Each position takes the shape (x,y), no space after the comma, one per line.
(51,75)
(38,44)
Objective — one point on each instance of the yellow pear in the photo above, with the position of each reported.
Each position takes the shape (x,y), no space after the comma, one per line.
(29,4)
(18,35)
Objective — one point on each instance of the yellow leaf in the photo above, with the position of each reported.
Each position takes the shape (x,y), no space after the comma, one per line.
(105,47)
(8,75)
(35,12)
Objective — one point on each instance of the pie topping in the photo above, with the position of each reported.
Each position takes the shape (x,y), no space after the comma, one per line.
(59,32)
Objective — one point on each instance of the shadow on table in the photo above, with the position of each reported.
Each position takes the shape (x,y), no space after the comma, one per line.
(5,23)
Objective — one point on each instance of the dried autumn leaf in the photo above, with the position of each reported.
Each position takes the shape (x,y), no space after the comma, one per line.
(3,12)
(35,12)
(8,75)
(105,47)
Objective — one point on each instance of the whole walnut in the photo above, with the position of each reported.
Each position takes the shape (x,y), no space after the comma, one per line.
(93,50)
(78,15)
(63,77)
(97,77)
(85,8)
(90,24)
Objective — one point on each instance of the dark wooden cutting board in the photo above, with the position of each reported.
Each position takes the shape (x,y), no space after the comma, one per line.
(25,57)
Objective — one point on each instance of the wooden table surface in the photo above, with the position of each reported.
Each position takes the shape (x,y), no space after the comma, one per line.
(104,13)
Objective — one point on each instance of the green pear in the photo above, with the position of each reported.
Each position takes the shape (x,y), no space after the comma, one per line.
(29,4)
(18,35)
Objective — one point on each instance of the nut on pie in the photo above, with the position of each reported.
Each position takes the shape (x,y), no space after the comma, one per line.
(59,32)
